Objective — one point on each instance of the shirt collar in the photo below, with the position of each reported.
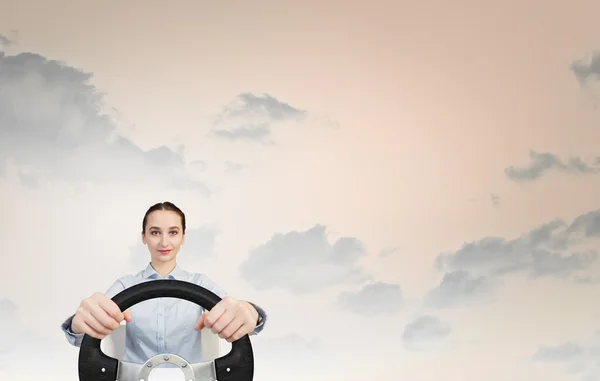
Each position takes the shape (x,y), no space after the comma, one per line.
(178,273)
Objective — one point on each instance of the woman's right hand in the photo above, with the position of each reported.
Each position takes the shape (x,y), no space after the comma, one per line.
(98,316)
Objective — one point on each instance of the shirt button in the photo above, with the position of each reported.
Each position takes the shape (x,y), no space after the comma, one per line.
(159,338)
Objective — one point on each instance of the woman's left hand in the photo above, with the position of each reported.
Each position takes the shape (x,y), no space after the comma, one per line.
(230,319)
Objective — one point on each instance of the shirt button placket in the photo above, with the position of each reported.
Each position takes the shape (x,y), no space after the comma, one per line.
(161,326)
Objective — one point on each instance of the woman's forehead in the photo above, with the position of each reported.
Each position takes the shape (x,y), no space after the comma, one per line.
(164,218)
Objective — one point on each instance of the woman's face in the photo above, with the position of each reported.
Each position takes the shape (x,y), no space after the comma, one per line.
(163,235)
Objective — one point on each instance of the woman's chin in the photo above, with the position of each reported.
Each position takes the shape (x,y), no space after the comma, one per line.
(164,258)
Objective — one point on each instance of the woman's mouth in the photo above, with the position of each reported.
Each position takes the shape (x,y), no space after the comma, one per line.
(164,252)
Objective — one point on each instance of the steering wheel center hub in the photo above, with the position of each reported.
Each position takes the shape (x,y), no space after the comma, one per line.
(167,358)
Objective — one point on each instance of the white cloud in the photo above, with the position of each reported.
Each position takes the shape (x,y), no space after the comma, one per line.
(425,332)
(373,299)
(23,350)
(250,117)
(460,289)
(304,262)
(581,359)
(53,129)
(549,250)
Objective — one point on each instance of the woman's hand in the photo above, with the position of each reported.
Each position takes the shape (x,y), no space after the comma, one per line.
(98,316)
(230,319)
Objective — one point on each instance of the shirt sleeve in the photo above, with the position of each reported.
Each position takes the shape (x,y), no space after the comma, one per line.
(263,315)
(76,338)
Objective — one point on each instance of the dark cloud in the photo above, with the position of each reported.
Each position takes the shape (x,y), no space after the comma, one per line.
(373,299)
(425,332)
(199,245)
(460,289)
(579,358)
(250,117)
(304,262)
(53,129)
(542,163)
(587,69)
(549,250)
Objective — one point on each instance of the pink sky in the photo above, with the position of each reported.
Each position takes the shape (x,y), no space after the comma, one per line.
(415,110)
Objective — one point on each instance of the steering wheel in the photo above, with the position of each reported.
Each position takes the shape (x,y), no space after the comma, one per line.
(95,365)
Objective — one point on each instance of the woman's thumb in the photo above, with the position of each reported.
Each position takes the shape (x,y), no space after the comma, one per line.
(127,315)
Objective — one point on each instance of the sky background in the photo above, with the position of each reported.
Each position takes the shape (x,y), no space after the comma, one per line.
(410,189)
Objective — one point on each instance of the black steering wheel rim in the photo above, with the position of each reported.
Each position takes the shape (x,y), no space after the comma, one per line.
(95,365)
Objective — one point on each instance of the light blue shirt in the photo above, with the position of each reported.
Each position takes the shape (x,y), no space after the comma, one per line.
(161,325)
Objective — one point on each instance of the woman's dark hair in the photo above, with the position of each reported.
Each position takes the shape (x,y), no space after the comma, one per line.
(166,205)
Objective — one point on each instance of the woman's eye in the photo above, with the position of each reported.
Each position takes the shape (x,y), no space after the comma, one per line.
(173,232)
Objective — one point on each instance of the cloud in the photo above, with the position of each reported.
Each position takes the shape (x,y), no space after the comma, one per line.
(587,225)
(578,358)
(587,74)
(304,262)
(495,199)
(388,252)
(290,346)
(21,348)
(248,105)
(373,299)
(199,245)
(5,41)
(548,250)
(541,163)
(586,280)
(293,355)
(250,117)
(233,167)
(53,129)
(587,69)
(425,332)
(8,322)
(460,289)
(257,133)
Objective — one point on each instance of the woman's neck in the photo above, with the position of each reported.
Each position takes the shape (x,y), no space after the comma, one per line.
(163,268)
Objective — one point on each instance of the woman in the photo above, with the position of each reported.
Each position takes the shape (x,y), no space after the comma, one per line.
(162,325)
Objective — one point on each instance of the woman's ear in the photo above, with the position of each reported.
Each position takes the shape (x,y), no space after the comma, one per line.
(143,238)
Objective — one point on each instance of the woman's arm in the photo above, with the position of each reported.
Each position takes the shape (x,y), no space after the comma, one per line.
(66,326)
